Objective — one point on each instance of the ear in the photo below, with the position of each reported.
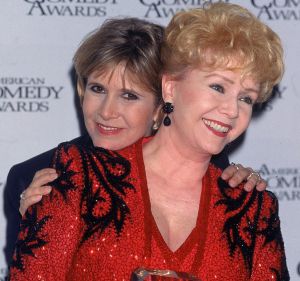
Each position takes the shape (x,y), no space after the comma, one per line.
(168,85)
(157,117)
(80,91)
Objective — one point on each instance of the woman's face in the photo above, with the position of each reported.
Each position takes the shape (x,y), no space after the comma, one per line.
(211,108)
(117,112)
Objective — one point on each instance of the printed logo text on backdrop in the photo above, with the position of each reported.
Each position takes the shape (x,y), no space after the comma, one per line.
(73,8)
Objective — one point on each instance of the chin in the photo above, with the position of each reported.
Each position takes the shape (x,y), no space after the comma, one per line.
(102,144)
(216,150)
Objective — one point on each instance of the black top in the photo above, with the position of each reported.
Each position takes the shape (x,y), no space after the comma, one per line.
(21,175)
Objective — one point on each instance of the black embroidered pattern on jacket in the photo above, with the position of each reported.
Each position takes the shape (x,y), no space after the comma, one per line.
(272,234)
(272,230)
(31,238)
(242,230)
(233,226)
(103,199)
(63,183)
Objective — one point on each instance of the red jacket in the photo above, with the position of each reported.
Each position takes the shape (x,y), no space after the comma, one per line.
(97,225)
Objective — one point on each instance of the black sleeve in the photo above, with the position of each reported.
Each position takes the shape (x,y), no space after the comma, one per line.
(221,160)
(12,191)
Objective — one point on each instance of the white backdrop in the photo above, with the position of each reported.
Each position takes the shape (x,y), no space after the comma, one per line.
(37,41)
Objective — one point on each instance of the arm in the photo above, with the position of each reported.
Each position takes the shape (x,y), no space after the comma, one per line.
(12,191)
(50,230)
(19,177)
(269,262)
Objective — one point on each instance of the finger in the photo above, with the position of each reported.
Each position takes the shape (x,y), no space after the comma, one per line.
(250,184)
(42,190)
(253,180)
(262,185)
(40,181)
(239,177)
(42,172)
(230,171)
(26,200)
(38,190)
(26,203)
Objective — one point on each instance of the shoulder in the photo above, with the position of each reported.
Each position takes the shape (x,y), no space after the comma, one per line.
(83,143)
(269,199)
(263,204)
(84,146)
(42,160)
(79,142)
(23,172)
(20,175)
(83,161)
(268,215)
(31,165)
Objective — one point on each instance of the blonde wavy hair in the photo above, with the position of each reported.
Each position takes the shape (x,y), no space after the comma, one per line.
(225,36)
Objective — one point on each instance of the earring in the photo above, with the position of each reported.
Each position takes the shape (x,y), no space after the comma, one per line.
(167,109)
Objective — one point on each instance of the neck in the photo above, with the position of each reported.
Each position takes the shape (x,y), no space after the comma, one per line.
(166,156)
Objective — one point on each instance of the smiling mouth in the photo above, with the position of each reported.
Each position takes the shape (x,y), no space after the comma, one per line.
(108,130)
(216,126)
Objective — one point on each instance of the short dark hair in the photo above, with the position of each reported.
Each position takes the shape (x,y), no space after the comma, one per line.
(133,42)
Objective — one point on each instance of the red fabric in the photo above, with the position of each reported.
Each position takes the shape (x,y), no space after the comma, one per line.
(77,234)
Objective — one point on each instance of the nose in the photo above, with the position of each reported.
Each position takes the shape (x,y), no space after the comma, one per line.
(108,109)
(230,107)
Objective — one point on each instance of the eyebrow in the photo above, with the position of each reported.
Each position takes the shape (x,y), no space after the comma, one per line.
(231,82)
(124,89)
(223,77)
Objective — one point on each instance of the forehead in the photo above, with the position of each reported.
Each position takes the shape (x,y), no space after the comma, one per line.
(232,76)
(119,75)
(121,79)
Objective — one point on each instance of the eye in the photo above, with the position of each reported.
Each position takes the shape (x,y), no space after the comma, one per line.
(130,96)
(98,89)
(247,100)
(217,87)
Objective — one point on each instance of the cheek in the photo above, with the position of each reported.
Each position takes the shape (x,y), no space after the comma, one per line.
(192,100)
(243,122)
(185,97)
(84,108)
(89,106)
(246,115)
(189,92)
